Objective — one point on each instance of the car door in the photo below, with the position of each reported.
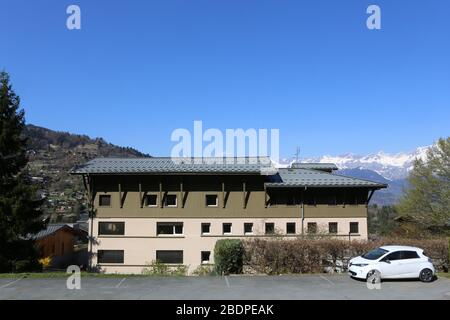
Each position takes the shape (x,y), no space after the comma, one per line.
(410,263)
(390,265)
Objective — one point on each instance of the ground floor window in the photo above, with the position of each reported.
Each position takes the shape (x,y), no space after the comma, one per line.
(110,256)
(312,227)
(205,257)
(290,228)
(354,227)
(169,256)
(332,227)
(248,228)
(270,228)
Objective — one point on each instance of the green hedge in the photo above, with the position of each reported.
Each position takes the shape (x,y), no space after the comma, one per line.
(229,256)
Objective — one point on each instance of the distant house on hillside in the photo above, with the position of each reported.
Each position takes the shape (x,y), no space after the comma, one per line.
(61,243)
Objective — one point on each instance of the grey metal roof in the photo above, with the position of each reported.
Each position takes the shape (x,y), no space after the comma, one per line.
(315,166)
(291,177)
(247,165)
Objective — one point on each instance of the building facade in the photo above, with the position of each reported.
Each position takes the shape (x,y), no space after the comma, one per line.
(174,211)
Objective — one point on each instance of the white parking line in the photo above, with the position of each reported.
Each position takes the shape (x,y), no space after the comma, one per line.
(121,281)
(328,280)
(226,280)
(10,283)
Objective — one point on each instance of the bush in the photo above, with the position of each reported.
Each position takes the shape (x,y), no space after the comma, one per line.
(308,256)
(157,268)
(229,256)
(27,266)
(204,270)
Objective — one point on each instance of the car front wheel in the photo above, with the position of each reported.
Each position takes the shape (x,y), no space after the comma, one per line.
(373,276)
(426,275)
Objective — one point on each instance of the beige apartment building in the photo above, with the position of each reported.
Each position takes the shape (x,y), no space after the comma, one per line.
(174,210)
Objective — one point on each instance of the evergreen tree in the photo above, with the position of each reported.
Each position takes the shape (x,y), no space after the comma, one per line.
(427,200)
(20,213)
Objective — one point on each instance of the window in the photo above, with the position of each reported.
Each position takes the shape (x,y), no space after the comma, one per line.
(354,227)
(270,228)
(375,254)
(104,200)
(290,228)
(169,256)
(205,256)
(332,227)
(110,256)
(212,200)
(409,255)
(206,228)
(312,227)
(169,228)
(171,200)
(111,228)
(226,228)
(151,200)
(393,256)
(248,228)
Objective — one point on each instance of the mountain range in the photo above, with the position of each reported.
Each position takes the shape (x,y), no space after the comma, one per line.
(392,169)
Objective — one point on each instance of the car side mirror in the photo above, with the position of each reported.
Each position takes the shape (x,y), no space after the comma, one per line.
(386,260)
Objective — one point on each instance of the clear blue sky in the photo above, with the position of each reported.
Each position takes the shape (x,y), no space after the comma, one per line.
(139,69)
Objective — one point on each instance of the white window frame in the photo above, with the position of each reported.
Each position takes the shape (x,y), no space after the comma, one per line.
(251,232)
(151,205)
(201,228)
(231,229)
(212,206)
(171,206)
(174,225)
(204,261)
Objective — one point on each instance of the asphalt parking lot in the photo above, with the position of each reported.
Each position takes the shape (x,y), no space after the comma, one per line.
(224,288)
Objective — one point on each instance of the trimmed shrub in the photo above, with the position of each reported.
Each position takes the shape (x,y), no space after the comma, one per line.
(228,256)
(278,256)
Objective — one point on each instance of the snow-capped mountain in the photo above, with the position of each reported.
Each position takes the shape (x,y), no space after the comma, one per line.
(392,169)
(390,166)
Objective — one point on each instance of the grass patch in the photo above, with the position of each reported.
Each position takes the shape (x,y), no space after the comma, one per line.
(443,275)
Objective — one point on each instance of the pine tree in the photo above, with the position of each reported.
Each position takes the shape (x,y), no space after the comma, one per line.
(427,200)
(20,213)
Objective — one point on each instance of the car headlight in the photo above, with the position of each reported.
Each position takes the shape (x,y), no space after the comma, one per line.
(360,264)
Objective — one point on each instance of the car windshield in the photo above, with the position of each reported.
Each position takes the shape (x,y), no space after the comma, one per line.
(374,254)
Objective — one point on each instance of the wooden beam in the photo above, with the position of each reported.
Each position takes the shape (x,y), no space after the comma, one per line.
(265,196)
(223,194)
(181,194)
(244,194)
(141,200)
(120,196)
(370,197)
(160,195)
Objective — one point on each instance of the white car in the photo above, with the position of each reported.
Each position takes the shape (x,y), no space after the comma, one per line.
(393,262)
